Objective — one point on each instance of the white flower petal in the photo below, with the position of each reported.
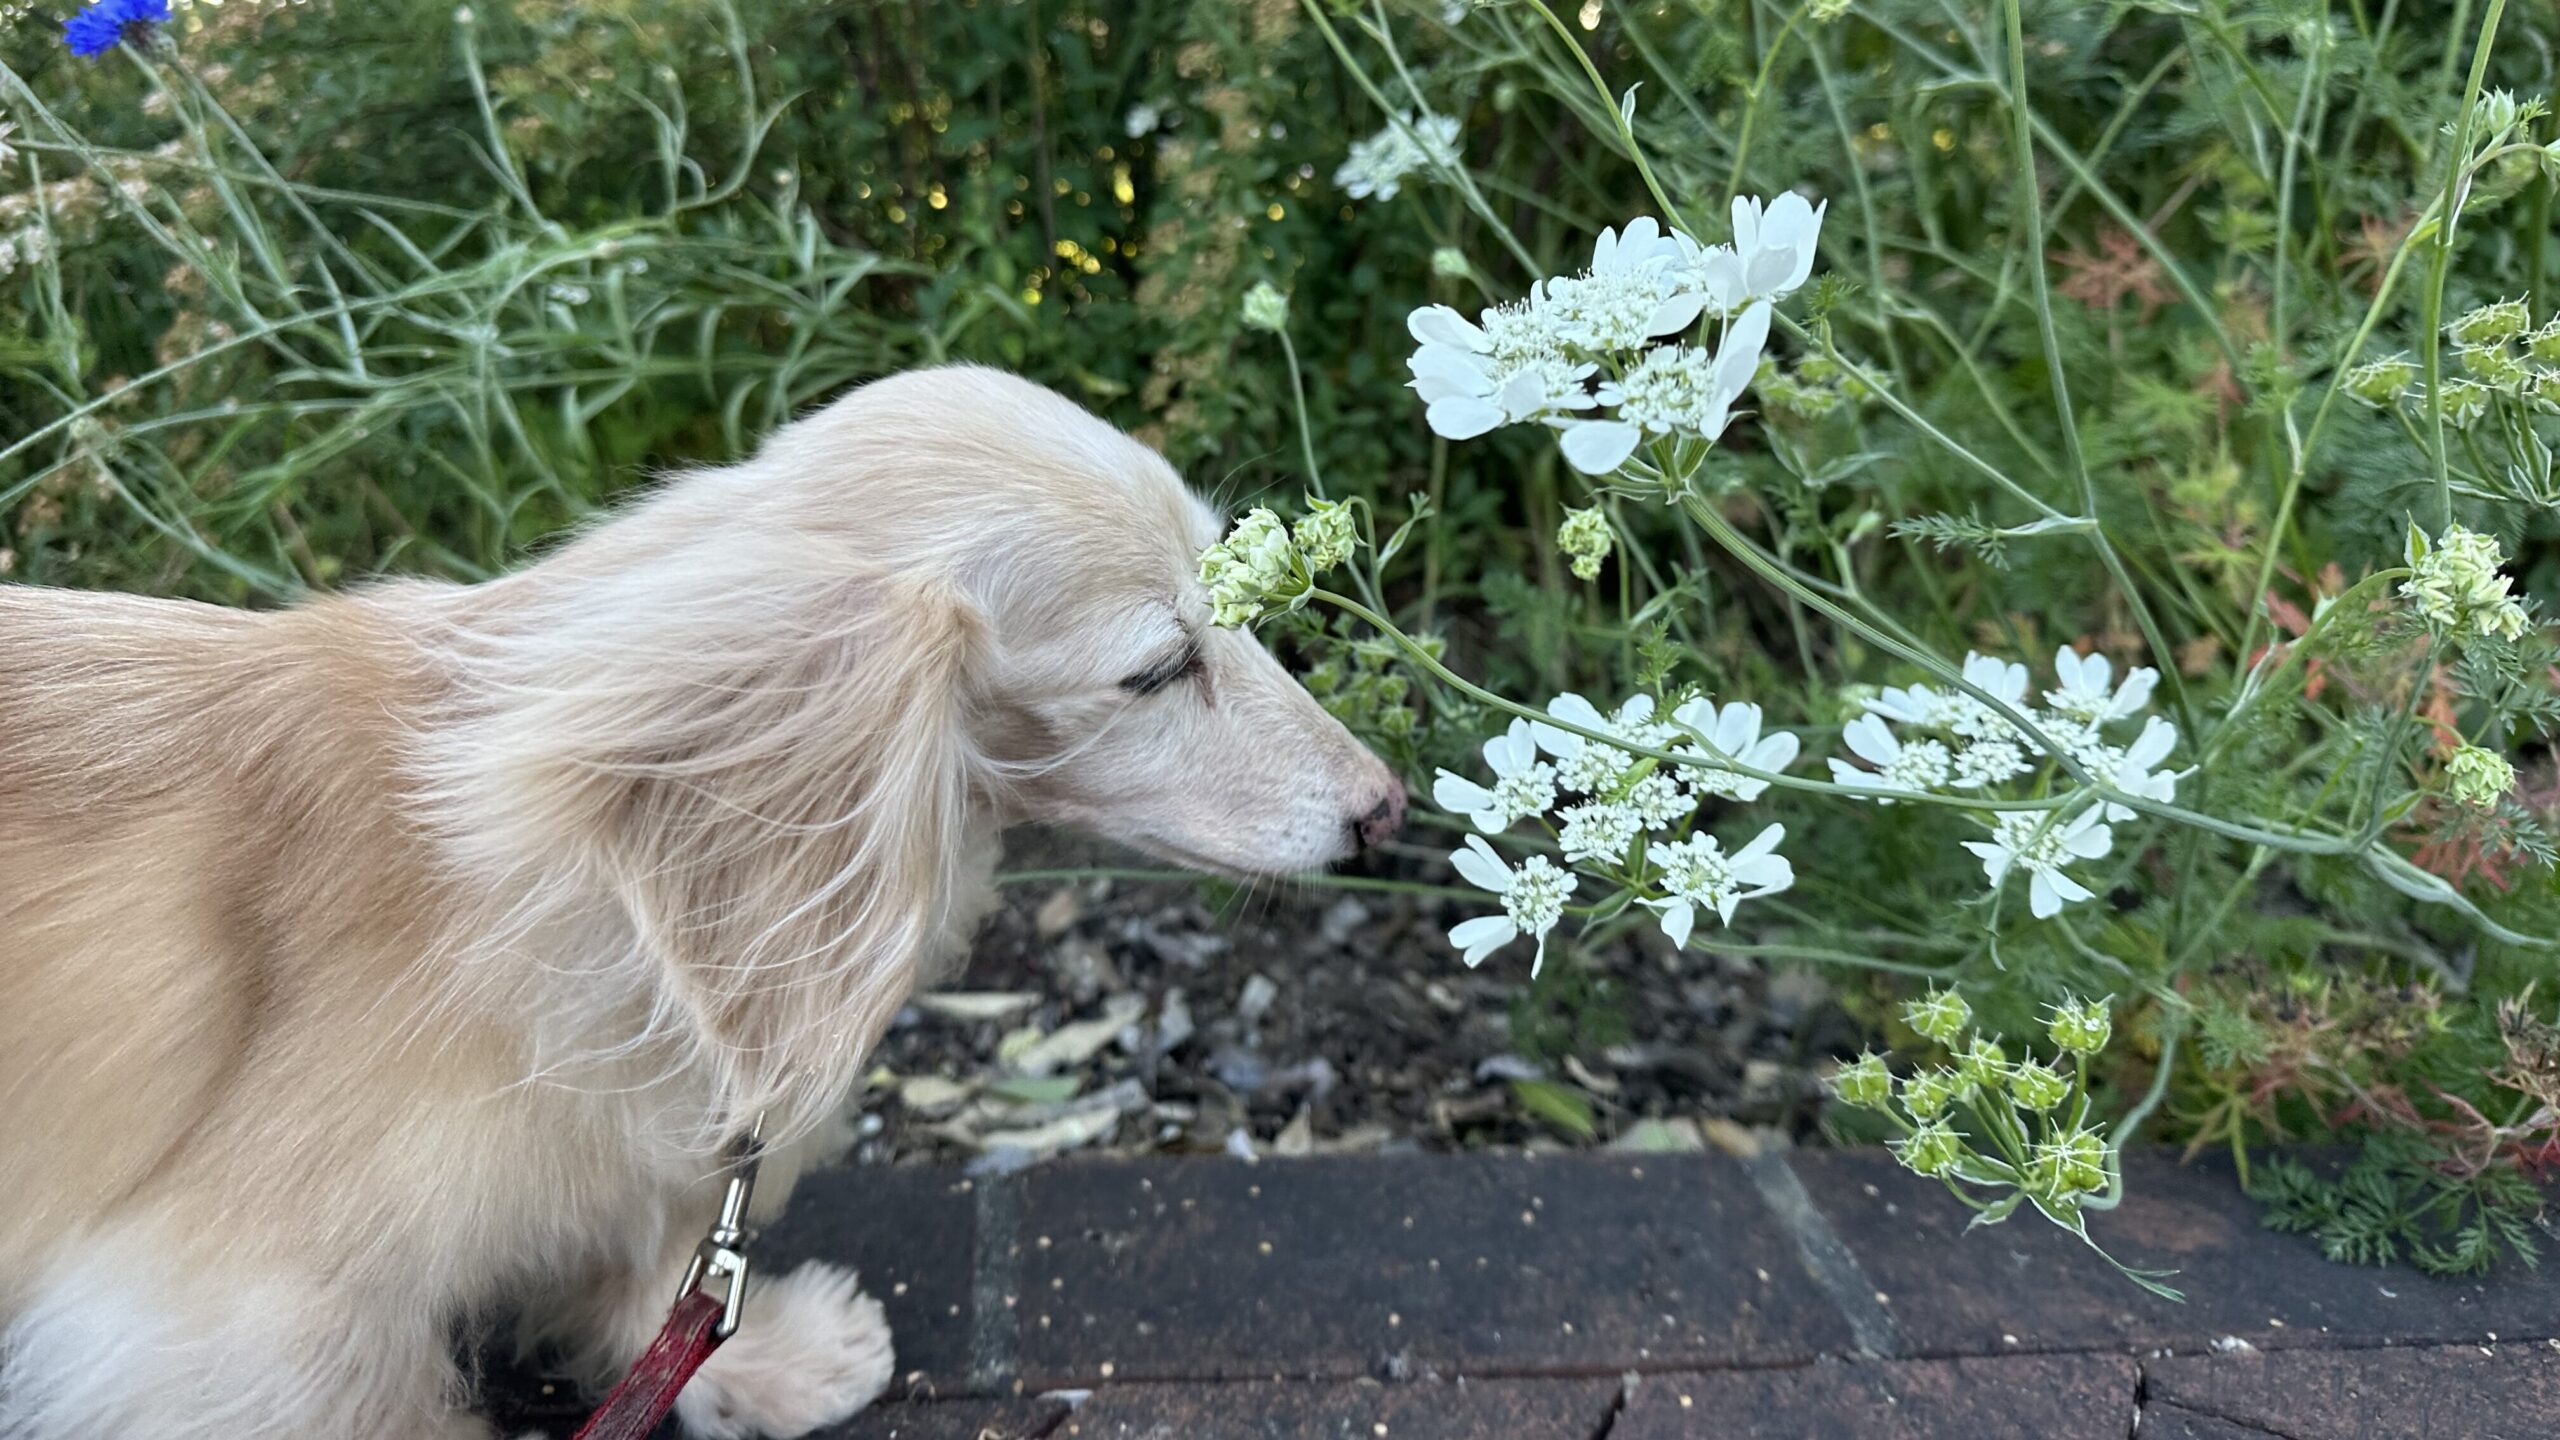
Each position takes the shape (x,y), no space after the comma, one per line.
(1512,751)
(1459,417)
(1678,919)
(1480,867)
(1596,447)
(1871,740)
(1459,795)
(1995,861)
(2090,841)
(1482,936)
(1441,325)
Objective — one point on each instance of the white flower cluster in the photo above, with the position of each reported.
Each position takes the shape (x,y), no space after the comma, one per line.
(1582,353)
(1378,166)
(1923,739)
(1622,818)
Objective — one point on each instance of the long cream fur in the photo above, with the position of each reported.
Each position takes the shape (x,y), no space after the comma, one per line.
(379,965)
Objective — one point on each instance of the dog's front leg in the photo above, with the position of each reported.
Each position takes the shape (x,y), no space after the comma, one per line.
(811,1349)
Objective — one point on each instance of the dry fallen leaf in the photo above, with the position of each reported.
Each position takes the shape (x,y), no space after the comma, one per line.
(974,1005)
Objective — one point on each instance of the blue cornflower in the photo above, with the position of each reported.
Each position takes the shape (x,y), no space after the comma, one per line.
(101,27)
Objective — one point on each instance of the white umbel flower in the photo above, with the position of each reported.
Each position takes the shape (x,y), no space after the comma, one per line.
(2080,688)
(2038,843)
(1682,390)
(1988,762)
(1599,831)
(1659,801)
(1378,166)
(1733,731)
(1696,874)
(1775,242)
(1914,765)
(1632,293)
(1501,368)
(1532,896)
(1523,784)
(1588,765)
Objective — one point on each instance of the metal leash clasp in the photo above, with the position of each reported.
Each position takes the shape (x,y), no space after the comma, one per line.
(722,1254)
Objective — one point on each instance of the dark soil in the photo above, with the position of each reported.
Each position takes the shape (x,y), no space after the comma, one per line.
(1307,1018)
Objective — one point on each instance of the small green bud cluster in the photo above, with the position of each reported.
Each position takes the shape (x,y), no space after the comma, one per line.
(2080,1027)
(1265,308)
(1586,538)
(2455,582)
(2382,382)
(1254,568)
(1814,388)
(2478,778)
(1986,1120)
(2490,324)
(1450,263)
(1326,534)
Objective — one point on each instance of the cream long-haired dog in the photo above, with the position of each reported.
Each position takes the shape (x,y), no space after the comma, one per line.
(407,956)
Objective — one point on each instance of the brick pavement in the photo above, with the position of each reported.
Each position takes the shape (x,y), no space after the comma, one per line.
(1623,1297)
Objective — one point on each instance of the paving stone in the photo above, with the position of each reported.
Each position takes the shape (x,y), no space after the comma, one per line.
(911,1233)
(2170,1422)
(2436,1392)
(953,1420)
(2027,1285)
(1585,1264)
(1359,1410)
(2028,1397)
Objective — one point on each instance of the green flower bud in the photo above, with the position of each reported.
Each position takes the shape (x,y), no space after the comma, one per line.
(1326,535)
(1265,308)
(1926,1093)
(2068,1165)
(1585,536)
(1450,262)
(2490,324)
(1865,1082)
(2081,1027)
(2544,344)
(2542,387)
(2465,402)
(1941,1015)
(1932,1150)
(2381,382)
(2496,366)
(2478,777)
(2037,1086)
(1984,1063)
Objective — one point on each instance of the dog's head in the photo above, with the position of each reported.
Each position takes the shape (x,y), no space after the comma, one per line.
(756,716)
(1098,694)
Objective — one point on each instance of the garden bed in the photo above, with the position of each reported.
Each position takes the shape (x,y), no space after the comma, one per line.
(1314,1019)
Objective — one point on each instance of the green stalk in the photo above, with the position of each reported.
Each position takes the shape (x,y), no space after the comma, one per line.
(2449,205)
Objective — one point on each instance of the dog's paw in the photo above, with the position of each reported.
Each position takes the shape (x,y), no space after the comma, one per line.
(811,1350)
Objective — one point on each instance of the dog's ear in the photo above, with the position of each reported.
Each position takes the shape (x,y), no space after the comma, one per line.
(784,844)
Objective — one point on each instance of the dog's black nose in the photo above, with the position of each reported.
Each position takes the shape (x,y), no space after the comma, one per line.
(1382,822)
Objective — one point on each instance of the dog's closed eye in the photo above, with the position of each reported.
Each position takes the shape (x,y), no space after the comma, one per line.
(1180,664)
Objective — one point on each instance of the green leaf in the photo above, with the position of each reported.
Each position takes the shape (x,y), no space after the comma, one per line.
(1559,1106)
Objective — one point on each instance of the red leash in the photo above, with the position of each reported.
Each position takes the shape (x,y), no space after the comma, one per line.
(634,1407)
(699,1321)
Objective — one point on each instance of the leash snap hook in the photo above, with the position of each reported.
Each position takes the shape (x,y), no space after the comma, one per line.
(722,1255)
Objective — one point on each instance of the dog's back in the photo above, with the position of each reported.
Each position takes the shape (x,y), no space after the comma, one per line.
(169,774)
